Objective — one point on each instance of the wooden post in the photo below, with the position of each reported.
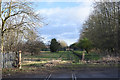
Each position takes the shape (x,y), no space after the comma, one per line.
(83,55)
(19,59)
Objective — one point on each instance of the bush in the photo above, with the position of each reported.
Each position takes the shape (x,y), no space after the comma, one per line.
(85,44)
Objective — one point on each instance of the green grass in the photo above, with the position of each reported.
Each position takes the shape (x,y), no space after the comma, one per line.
(43,55)
(89,56)
(64,55)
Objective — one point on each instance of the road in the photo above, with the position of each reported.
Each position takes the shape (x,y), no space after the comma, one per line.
(74,75)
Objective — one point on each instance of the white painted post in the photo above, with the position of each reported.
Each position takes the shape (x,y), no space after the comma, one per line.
(19,59)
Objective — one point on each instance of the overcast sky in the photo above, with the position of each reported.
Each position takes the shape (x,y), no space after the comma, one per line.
(64,19)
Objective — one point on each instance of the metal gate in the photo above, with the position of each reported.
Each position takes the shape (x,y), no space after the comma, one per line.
(9,60)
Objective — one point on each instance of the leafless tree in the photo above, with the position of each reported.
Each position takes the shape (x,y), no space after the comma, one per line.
(19,21)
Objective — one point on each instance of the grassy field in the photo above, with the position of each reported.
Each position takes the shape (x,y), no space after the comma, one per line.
(89,56)
(63,55)
(58,58)
(47,57)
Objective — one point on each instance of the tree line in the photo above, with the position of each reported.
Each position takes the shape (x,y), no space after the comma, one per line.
(101,30)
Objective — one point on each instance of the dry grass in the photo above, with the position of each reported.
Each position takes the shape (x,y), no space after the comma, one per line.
(108,58)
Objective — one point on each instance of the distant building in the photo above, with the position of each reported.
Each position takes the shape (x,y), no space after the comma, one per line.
(69,49)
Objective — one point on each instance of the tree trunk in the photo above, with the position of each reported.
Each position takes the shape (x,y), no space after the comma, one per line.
(2,45)
(1,26)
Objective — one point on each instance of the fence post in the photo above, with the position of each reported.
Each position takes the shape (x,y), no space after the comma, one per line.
(19,59)
(83,55)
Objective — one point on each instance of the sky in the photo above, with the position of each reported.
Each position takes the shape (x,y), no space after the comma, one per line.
(63,20)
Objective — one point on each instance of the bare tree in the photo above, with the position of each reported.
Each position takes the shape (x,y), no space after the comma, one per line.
(18,18)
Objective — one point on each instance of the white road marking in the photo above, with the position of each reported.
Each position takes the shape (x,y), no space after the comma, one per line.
(48,77)
(74,77)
